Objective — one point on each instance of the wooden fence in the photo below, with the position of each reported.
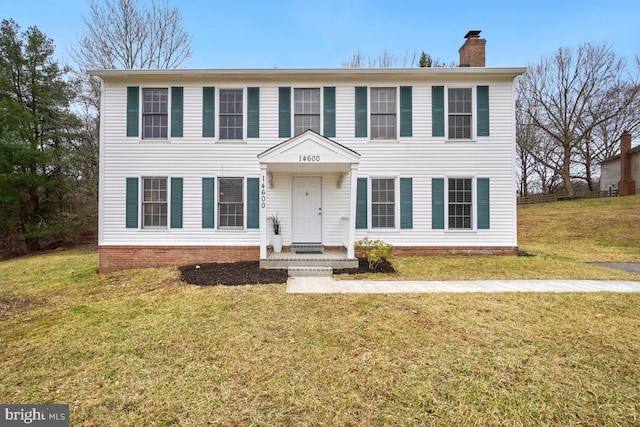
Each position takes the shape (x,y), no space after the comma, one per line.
(544,198)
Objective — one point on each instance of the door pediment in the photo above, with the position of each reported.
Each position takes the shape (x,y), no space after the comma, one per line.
(311,151)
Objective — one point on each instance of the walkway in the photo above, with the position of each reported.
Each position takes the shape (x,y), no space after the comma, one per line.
(327,285)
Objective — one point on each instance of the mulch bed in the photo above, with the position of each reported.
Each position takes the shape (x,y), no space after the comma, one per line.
(250,273)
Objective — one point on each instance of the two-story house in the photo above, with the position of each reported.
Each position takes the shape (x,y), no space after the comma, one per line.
(194,163)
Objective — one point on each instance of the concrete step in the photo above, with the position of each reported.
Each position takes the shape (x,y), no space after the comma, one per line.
(309,270)
(285,263)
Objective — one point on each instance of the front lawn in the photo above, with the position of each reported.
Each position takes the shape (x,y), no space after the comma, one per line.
(142,348)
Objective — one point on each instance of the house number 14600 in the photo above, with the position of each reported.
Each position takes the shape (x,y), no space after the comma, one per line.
(309,158)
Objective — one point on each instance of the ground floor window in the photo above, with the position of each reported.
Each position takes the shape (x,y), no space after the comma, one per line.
(230,203)
(383,205)
(460,203)
(154,202)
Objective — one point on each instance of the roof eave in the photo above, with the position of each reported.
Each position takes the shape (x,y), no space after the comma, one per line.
(310,72)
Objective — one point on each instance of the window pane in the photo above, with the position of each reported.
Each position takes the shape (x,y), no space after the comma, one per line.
(383,113)
(307,101)
(154,202)
(460,203)
(231,111)
(459,127)
(383,203)
(154,100)
(306,110)
(383,126)
(231,207)
(460,113)
(230,127)
(302,123)
(155,126)
(154,113)
(383,100)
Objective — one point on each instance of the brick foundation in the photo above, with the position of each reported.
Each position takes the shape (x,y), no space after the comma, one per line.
(115,258)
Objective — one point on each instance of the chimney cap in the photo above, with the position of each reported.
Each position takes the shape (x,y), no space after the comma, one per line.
(473,34)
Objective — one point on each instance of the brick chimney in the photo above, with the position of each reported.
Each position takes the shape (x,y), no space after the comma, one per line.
(472,51)
(626,186)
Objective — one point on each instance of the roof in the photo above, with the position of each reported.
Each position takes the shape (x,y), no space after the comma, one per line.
(281,74)
(634,150)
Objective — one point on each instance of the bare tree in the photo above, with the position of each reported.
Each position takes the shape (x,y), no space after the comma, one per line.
(121,34)
(525,141)
(567,97)
(390,60)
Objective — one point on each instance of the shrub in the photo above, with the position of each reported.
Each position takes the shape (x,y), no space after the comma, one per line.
(374,250)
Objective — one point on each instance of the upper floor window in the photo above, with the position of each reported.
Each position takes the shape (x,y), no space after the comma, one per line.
(306,110)
(383,113)
(230,203)
(154,202)
(460,203)
(383,204)
(231,110)
(460,113)
(154,113)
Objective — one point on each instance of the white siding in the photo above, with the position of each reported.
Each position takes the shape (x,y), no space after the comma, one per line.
(420,157)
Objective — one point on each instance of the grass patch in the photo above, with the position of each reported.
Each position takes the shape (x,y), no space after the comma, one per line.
(558,239)
(142,348)
(593,230)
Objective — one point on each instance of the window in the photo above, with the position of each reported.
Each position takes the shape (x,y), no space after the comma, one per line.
(460,203)
(230,205)
(459,113)
(383,206)
(154,202)
(307,110)
(154,113)
(231,114)
(383,113)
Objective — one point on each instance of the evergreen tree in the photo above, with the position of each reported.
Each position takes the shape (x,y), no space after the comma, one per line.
(425,60)
(37,131)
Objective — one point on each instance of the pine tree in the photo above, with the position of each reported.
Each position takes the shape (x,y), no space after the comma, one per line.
(36,133)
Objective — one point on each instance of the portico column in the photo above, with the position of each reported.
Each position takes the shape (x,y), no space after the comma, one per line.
(351,233)
(264,188)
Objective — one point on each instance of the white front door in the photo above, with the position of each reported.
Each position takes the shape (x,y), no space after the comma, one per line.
(307,210)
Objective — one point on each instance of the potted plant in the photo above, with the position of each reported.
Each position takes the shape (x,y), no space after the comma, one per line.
(277,237)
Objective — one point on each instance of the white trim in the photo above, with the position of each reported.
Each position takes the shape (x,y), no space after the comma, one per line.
(322,74)
(262,210)
(351,231)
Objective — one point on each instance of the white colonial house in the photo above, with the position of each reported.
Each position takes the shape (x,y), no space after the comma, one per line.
(194,163)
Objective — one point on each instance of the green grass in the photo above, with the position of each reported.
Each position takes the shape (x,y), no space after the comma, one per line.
(141,348)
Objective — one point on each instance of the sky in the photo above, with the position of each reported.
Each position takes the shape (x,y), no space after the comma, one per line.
(324,34)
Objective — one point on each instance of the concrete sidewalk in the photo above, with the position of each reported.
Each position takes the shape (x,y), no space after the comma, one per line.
(327,285)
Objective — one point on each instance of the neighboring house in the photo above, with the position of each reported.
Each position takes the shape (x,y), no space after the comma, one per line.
(193,163)
(621,173)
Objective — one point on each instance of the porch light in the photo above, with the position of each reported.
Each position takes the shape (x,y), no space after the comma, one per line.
(339,181)
(270,179)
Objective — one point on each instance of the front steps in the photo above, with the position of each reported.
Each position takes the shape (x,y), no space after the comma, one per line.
(309,256)
(305,271)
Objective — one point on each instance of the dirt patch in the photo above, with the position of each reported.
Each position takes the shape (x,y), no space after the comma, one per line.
(12,306)
(231,274)
(250,273)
